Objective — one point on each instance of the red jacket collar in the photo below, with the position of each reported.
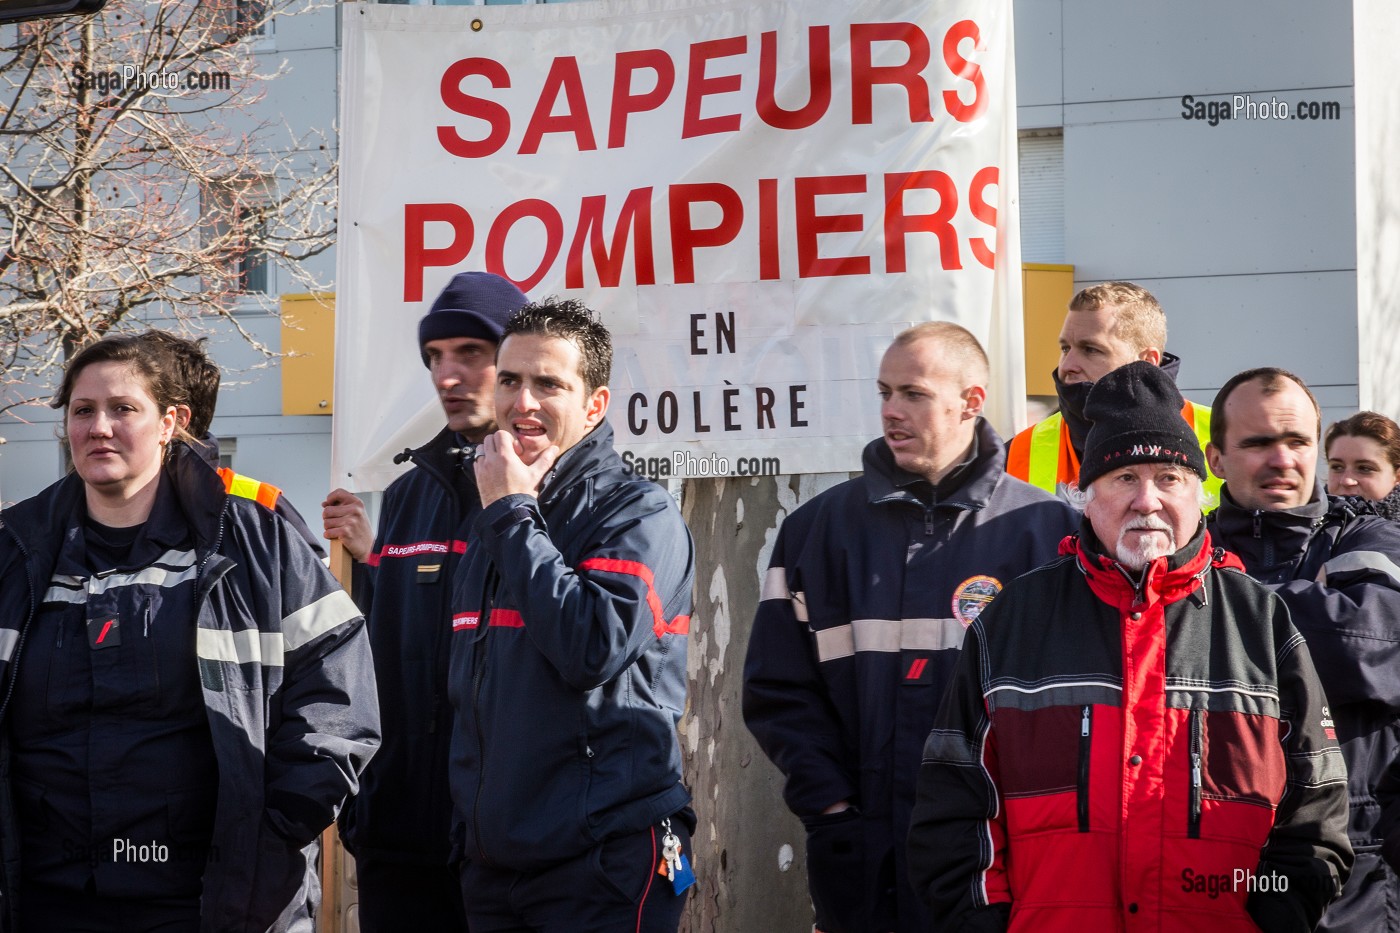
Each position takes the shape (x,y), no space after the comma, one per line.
(1166,579)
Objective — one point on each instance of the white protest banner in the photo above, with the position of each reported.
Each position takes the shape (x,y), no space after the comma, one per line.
(755,195)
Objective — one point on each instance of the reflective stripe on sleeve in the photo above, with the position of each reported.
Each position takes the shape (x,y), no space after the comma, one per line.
(1360,561)
(246,647)
(309,622)
(775,584)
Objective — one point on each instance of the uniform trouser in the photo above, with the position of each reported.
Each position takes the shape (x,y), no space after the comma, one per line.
(397,896)
(612,888)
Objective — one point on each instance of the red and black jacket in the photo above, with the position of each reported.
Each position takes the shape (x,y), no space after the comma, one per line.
(1115,755)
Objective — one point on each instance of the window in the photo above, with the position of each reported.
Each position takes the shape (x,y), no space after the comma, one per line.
(236,229)
(250,17)
(239,19)
(1042,158)
(252,262)
(228,449)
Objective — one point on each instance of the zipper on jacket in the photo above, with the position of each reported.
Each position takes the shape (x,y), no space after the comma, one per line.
(1258,524)
(928,523)
(1085,742)
(1193,823)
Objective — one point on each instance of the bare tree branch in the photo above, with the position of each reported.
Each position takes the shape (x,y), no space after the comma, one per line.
(121,195)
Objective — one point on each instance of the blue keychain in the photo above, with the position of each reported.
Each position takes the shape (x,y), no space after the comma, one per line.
(674,864)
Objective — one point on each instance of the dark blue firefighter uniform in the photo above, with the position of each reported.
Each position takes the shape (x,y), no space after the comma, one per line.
(233,621)
(570,617)
(870,587)
(397,826)
(1338,570)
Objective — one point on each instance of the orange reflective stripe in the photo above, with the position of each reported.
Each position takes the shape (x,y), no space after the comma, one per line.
(267,495)
(1018,455)
(245,487)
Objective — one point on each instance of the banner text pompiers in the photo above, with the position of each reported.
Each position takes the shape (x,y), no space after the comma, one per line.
(560,112)
(805,180)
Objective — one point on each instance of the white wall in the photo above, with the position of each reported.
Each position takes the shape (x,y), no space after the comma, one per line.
(1377,32)
(1246,230)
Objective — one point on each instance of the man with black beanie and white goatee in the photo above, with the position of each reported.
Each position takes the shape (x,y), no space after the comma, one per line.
(1133,737)
(397,827)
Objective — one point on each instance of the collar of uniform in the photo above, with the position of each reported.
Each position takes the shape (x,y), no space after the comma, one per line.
(435,452)
(207,447)
(1166,578)
(199,493)
(1389,507)
(1287,530)
(39,523)
(968,486)
(578,462)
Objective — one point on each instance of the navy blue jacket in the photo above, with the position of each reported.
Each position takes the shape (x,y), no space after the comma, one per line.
(1339,573)
(403,812)
(286,676)
(868,592)
(570,617)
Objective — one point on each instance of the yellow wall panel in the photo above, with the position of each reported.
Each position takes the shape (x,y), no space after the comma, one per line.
(1047,290)
(308,345)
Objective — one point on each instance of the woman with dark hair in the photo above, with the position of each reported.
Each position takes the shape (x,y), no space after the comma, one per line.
(186,695)
(1363,459)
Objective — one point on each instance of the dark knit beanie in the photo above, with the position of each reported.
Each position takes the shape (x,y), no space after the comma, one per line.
(474,304)
(1136,415)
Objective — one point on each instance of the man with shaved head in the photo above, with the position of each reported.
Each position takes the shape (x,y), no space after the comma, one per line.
(869,589)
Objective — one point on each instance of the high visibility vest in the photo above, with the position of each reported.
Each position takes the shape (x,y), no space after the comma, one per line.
(245,487)
(1043,456)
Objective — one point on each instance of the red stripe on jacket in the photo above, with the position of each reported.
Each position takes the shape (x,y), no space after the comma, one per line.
(506,618)
(680,625)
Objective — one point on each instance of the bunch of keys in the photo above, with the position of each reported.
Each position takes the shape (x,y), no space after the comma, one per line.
(674,864)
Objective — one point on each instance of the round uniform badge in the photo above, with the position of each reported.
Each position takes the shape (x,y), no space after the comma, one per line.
(972,596)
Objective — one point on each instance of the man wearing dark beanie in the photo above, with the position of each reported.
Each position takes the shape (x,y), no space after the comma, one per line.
(1133,736)
(397,826)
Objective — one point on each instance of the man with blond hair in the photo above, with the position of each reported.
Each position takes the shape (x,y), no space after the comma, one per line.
(1108,326)
(869,589)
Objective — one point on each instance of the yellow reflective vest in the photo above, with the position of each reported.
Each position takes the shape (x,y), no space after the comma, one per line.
(1043,456)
